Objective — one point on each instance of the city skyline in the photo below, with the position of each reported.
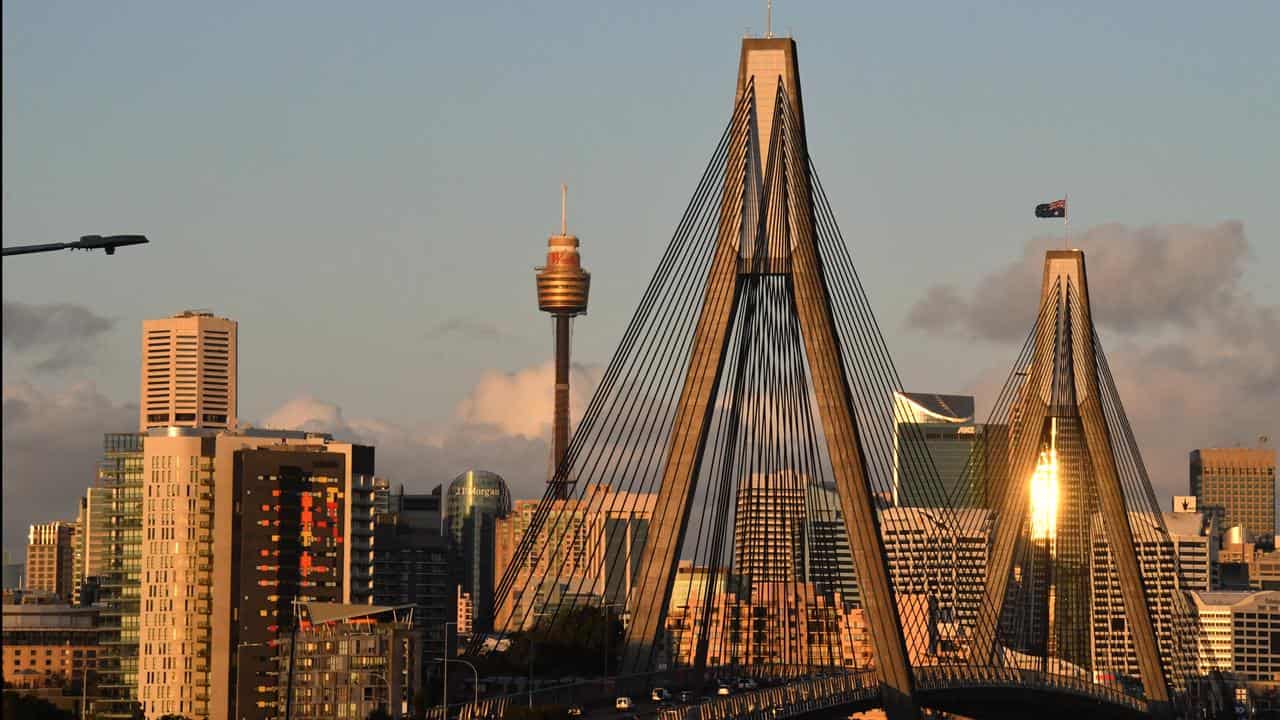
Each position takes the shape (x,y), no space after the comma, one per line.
(455,355)
(240,554)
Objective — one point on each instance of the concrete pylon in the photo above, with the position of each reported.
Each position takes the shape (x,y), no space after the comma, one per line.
(792,248)
(1062,381)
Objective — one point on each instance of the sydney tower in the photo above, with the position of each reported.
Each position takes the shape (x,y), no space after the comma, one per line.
(562,291)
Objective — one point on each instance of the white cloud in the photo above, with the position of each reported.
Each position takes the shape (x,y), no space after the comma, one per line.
(52,445)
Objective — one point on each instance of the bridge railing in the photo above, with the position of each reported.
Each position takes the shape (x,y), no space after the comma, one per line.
(802,695)
(943,677)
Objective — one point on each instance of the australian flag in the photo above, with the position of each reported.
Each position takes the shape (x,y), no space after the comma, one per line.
(1057,208)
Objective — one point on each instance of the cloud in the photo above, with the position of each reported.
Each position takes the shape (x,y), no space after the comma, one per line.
(466,328)
(1146,279)
(502,425)
(1195,356)
(52,444)
(521,403)
(61,334)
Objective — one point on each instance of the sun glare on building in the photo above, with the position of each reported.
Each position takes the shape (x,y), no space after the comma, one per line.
(1044,491)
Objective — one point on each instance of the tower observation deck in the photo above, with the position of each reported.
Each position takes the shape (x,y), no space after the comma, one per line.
(563,287)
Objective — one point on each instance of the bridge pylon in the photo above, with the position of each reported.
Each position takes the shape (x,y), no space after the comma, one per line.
(1059,478)
(767,227)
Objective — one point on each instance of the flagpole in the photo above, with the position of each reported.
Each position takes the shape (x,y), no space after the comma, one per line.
(1066,222)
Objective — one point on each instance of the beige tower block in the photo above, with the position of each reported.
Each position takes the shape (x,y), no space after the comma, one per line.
(188,372)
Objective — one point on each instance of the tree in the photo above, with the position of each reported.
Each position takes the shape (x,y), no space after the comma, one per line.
(573,645)
(30,707)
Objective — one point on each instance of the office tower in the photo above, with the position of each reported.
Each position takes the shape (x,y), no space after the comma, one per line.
(1159,561)
(51,646)
(90,549)
(1196,546)
(50,558)
(1239,634)
(563,287)
(349,661)
(940,558)
(769,526)
(476,501)
(1239,484)
(941,428)
(188,372)
(411,563)
(828,558)
(120,538)
(590,550)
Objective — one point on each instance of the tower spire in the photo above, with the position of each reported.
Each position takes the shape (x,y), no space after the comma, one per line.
(768,20)
(564,194)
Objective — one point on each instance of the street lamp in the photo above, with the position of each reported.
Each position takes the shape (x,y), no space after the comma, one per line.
(532,645)
(240,668)
(87,242)
(444,697)
(475,680)
(608,630)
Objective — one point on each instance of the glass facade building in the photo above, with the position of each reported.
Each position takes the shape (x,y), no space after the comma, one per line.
(120,538)
(941,428)
(476,500)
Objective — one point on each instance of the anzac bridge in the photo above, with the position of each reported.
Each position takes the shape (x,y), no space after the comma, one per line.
(748,417)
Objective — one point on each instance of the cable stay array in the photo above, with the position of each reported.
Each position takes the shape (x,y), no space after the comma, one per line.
(720,508)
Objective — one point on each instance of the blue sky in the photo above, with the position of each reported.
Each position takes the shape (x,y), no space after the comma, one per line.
(367,187)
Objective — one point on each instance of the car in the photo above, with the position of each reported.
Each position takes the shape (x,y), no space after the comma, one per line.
(623,704)
(659,694)
(723,690)
(686,696)
(574,711)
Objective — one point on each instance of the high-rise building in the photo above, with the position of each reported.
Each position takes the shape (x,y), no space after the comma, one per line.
(90,550)
(1239,633)
(203,489)
(828,557)
(293,519)
(1161,562)
(937,429)
(1197,547)
(1239,485)
(411,563)
(177,568)
(769,528)
(298,502)
(938,558)
(589,550)
(51,557)
(188,372)
(476,501)
(120,538)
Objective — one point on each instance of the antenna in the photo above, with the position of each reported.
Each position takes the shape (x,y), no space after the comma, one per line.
(564,193)
(768,20)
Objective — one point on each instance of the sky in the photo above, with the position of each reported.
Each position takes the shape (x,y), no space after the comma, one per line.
(366,188)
